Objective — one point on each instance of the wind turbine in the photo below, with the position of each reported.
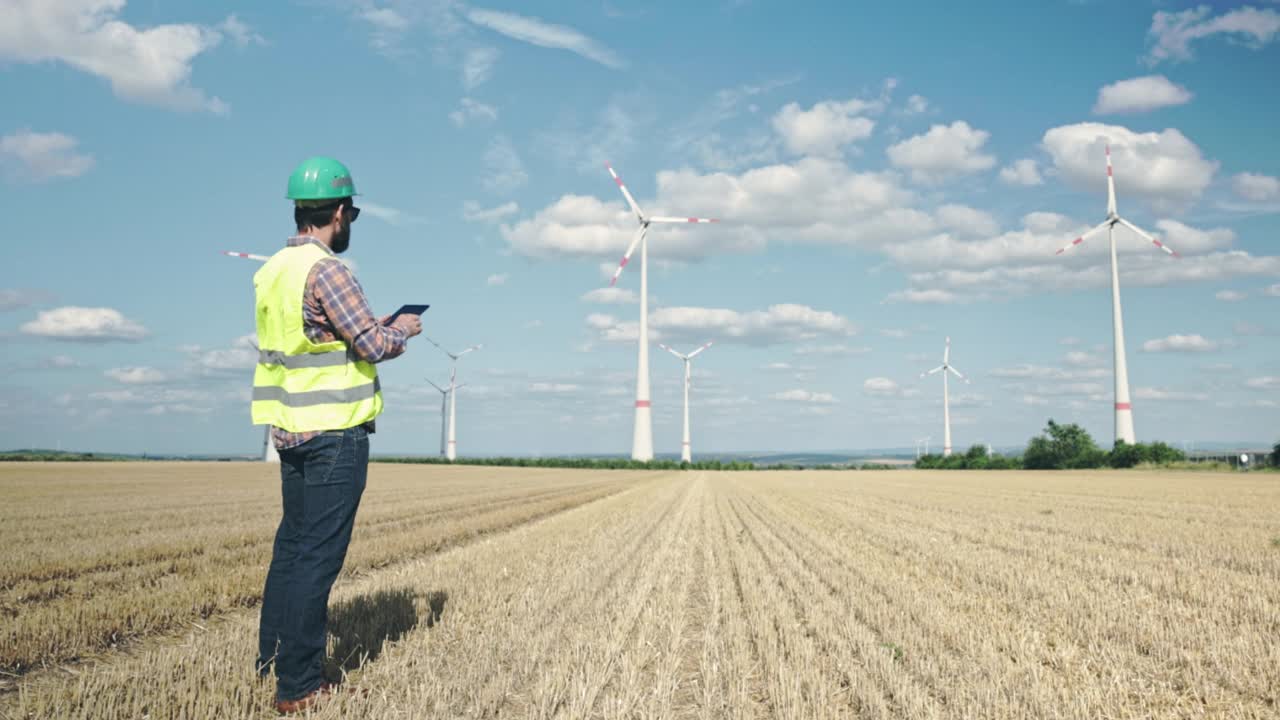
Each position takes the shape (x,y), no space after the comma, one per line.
(922,443)
(451,446)
(1123,406)
(642,435)
(686,452)
(444,416)
(945,368)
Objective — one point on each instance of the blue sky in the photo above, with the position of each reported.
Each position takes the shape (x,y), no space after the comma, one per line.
(887,176)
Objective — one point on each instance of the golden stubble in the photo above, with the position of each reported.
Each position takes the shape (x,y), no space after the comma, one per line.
(706,595)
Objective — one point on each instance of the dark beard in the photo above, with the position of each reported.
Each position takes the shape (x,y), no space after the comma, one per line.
(341,238)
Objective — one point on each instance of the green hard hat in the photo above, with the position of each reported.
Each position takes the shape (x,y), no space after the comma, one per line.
(320,178)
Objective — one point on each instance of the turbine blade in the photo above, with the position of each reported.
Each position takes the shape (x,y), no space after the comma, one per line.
(1111,186)
(673,352)
(441,348)
(626,193)
(683,220)
(247,256)
(957,373)
(1081,239)
(946,353)
(1153,241)
(933,371)
(437,387)
(695,353)
(473,348)
(627,258)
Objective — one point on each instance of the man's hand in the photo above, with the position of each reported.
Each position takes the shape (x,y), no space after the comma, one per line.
(410,325)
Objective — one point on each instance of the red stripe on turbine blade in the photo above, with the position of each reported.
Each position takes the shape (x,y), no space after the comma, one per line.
(1157,242)
(693,220)
(1078,240)
(1124,406)
(617,180)
(624,262)
(685,443)
(1108,171)
(642,403)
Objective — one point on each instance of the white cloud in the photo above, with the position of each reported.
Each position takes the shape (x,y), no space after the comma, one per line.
(553,388)
(805,396)
(14,299)
(916,104)
(1267,382)
(383,18)
(1172,33)
(611,296)
(1140,94)
(1162,394)
(928,296)
(1255,187)
(1078,358)
(389,215)
(1180,343)
(136,375)
(473,212)
(881,387)
(779,324)
(943,152)
(82,324)
(504,170)
(967,221)
(477,68)
(497,279)
(1023,172)
(543,34)
(38,157)
(240,33)
(777,366)
(1163,167)
(826,128)
(1230,296)
(472,110)
(62,362)
(241,355)
(150,65)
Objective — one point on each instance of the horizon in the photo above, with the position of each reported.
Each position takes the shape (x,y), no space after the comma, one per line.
(873,201)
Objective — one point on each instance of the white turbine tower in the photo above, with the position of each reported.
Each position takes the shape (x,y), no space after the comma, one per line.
(945,368)
(642,436)
(444,417)
(1123,406)
(451,446)
(686,452)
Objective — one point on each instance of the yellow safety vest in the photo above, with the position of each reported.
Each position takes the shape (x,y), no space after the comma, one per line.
(298,385)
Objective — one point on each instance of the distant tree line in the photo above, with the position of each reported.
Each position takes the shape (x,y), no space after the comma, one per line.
(1065,447)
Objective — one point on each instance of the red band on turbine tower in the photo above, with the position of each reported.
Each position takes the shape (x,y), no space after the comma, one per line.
(1124,406)
(642,403)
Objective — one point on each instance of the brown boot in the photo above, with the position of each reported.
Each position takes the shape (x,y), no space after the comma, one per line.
(306,702)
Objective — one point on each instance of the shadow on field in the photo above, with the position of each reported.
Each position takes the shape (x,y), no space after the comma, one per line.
(359,627)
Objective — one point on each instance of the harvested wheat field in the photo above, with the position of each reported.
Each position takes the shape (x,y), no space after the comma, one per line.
(129,591)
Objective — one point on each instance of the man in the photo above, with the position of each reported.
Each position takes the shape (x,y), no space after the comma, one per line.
(316,385)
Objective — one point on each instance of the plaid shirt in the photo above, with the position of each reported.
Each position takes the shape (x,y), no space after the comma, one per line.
(334,308)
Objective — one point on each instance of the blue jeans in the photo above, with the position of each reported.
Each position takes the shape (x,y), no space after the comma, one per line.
(321,484)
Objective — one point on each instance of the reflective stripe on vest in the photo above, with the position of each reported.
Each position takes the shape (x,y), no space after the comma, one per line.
(299,385)
(295,362)
(317,397)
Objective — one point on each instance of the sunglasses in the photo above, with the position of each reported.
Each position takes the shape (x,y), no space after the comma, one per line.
(352,213)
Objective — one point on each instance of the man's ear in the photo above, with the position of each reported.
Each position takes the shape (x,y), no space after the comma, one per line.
(337,216)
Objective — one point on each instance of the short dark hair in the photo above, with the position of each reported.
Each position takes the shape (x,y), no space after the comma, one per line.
(317,216)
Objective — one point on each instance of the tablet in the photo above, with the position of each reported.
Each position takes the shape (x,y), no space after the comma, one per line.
(407,310)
